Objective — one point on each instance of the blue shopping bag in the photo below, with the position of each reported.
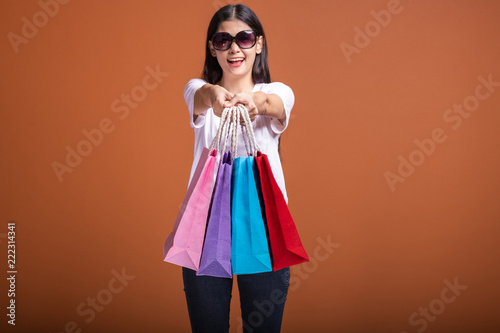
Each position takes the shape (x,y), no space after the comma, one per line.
(249,244)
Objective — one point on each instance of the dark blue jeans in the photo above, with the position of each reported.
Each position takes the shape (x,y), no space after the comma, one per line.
(262,298)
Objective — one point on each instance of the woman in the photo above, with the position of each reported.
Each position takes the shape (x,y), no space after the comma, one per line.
(236,72)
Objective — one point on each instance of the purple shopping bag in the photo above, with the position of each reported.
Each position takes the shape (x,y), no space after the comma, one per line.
(216,255)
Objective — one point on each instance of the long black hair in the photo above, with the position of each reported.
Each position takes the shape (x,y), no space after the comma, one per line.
(212,72)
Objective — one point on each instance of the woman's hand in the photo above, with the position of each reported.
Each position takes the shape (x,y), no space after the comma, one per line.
(219,99)
(247,101)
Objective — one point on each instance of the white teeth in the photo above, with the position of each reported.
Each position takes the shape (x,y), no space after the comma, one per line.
(236,59)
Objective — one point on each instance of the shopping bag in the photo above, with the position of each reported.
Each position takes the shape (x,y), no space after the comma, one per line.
(286,247)
(284,240)
(194,180)
(216,255)
(184,245)
(249,244)
(188,238)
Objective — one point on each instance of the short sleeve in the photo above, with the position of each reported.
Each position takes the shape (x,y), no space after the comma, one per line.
(288,99)
(189,90)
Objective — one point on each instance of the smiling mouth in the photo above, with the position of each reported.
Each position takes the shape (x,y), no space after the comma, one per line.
(236,61)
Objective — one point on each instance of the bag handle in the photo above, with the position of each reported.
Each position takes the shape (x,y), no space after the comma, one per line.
(254,146)
(245,139)
(216,141)
(234,129)
(231,130)
(225,132)
(228,126)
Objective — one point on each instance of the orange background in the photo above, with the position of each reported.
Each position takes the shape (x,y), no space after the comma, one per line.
(392,250)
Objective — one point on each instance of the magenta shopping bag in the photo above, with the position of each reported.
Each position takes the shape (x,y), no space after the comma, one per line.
(189,230)
(216,255)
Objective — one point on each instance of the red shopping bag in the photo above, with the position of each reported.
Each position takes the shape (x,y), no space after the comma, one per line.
(286,247)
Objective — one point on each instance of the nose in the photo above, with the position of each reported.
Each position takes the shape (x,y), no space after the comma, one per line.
(234,47)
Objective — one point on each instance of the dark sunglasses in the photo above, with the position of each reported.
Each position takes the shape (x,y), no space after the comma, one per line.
(245,39)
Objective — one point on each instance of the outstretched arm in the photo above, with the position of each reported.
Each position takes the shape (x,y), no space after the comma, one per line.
(269,105)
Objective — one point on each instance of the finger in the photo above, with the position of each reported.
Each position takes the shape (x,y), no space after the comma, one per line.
(252,116)
(227,99)
(222,102)
(229,103)
(252,109)
(252,113)
(243,99)
(219,110)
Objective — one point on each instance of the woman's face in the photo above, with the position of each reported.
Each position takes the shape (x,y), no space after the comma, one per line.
(230,67)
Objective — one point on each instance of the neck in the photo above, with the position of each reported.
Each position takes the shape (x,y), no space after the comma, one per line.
(236,86)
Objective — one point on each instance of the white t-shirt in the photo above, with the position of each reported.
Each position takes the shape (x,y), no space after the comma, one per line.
(267,129)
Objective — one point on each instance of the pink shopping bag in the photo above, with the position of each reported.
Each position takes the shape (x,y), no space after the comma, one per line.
(199,167)
(184,245)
